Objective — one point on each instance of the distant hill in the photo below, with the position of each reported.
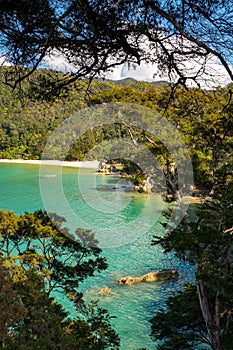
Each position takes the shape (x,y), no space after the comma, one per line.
(132,81)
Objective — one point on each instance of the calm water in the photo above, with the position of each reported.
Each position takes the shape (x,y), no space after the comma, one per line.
(124,224)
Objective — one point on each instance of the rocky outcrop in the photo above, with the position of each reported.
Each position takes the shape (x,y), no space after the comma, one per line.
(155,276)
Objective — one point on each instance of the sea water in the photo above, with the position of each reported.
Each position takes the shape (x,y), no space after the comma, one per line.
(124,224)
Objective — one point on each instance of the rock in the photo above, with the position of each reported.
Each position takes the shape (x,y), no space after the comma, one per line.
(162,275)
(105,290)
(128,280)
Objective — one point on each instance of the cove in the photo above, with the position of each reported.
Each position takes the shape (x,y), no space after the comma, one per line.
(104,203)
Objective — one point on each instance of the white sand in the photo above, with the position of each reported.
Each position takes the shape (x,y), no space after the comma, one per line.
(86,164)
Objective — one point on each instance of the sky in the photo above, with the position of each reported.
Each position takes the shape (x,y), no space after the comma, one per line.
(149,72)
(214,75)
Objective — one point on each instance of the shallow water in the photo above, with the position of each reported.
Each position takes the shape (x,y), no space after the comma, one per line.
(124,224)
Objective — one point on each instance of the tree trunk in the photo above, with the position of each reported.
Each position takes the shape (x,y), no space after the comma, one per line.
(212,324)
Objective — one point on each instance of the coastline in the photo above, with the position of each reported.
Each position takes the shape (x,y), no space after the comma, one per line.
(90,164)
(93,164)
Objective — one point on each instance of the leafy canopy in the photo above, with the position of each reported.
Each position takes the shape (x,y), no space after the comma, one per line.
(42,264)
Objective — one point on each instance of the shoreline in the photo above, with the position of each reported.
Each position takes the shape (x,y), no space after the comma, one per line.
(92,164)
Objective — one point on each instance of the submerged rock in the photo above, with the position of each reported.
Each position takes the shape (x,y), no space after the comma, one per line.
(154,276)
(105,290)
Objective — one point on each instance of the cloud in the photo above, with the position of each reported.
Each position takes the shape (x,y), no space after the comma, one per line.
(207,70)
(143,72)
(213,75)
(56,61)
(4,61)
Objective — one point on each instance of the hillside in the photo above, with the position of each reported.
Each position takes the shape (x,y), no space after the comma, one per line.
(203,120)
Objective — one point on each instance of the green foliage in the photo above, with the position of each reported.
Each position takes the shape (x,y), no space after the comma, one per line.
(180,325)
(11,301)
(207,242)
(41,260)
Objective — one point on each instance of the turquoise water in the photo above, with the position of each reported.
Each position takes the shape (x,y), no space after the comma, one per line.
(124,224)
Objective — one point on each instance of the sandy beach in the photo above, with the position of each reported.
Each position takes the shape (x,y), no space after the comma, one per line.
(93,164)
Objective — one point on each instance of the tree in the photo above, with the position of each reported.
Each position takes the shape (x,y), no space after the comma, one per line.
(95,36)
(207,242)
(180,325)
(9,300)
(39,261)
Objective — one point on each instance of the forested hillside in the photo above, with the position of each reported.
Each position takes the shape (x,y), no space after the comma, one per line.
(202,118)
